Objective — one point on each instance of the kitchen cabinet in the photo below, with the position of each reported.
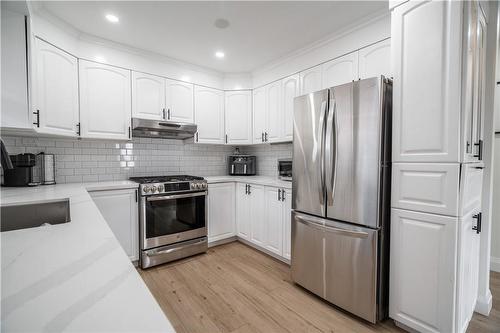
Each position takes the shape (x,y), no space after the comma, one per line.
(221,211)
(274,112)
(179,101)
(375,60)
(238,109)
(105,101)
(289,90)
(274,220)
(209,115)
(287,223)
(120,210)
(423,270)
(55,91)
(339,70)
(311,80)
(426,112)
(258,227)
(259,114)
(148,96)
(242,211)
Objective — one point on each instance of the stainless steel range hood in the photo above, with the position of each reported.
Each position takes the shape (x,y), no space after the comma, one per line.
(146,128)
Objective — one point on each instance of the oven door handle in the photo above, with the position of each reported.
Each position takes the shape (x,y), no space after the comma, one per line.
(174,249)
(176,196)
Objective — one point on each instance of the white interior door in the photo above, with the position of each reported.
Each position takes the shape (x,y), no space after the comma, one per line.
(209,115)
(105,101)
(259,114)
(375,60)
(340,70)
(239,117)
(290,90)
(55,93)
(180,104)
(274,113)
(148,96)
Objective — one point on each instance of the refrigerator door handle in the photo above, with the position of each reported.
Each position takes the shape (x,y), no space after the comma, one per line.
(322,151)
(326,228)
(331,151)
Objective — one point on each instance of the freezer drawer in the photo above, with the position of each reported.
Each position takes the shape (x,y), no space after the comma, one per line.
(338,262)
(351,268)
(307,252)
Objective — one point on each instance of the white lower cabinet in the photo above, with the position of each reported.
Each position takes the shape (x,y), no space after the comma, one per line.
(423,270)
(258,227)
(287,224)
(274,220)
(242,211)
(221,215)
(120,210)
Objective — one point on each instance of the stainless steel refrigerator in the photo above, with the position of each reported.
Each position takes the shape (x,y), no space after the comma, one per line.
(341,195)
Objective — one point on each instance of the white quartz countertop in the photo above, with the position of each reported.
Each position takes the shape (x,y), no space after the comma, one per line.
(72,277)
(258,180)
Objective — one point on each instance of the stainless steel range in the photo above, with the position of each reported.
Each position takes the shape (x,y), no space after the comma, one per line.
(172,218)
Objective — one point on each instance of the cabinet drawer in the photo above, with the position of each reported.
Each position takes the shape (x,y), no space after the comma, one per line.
(471,180)
(425,187)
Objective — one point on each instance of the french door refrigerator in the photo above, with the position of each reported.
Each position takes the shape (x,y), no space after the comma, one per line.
(341,195)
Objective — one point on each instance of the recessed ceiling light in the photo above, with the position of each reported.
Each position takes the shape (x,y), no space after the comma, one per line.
(112,18)
(220,54)
(221,23)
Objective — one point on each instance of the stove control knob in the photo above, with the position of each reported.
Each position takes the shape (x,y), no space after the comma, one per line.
(198,186)
(146,189)
(204,185)
(153,189)
(160,188)
(193,186)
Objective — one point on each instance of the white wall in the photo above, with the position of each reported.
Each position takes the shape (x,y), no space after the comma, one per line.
(347,41)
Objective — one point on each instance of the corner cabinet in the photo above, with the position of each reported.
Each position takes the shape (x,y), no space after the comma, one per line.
(105,101)
(209,115)
(221,211)
(55,91)
(375,60)
(120,210)
(238,109)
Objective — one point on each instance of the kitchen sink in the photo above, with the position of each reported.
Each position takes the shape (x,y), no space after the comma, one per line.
(34,214)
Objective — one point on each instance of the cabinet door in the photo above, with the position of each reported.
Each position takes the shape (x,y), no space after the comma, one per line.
(422,270)
(287,223)
(274,220)
(340,70)
(221,222)
(209,115)
(274,113)
(259,114)
(257,215)
(239,117)
(120,210)
(427,73)
(179,101)
(375,60)
(310,80)
(242,212)
(290,90)
(55,90)
(468,270)
(105,101)
(148,96)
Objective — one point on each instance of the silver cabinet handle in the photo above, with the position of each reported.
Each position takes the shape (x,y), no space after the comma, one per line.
(177,196)
(245,169)
(175,249)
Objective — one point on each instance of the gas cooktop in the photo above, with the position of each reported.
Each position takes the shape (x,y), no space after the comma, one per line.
(164,179)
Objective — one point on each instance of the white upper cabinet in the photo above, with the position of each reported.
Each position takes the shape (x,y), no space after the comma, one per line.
(105,101)
(289,90)
(179,101)
(209,115)
(238,117)
(340,70)
(426,96)
(274,111)
(310,80)
(375,60)
(55,91)
(148,96)
(259,114)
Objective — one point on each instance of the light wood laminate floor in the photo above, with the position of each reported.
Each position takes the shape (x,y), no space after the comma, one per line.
(235,288)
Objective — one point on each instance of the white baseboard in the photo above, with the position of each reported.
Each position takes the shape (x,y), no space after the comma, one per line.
(484,303)
(495,264)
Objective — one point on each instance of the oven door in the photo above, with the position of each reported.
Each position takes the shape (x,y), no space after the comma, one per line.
(168,219)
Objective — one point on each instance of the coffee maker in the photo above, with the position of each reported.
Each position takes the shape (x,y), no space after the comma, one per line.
(25,172)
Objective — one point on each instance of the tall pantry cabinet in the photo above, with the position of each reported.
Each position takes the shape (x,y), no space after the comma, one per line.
(438,70)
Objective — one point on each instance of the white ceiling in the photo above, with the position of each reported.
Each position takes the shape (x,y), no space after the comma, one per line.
(259,32)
